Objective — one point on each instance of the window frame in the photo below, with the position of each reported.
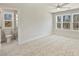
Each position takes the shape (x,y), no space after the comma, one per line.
(67,22)
(59,22)
(63,22)
(73,21)
(12,19)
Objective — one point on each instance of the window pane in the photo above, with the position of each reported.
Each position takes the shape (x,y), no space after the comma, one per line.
(8,24)
(7,16)
(66,25)
(58,25)
(58,18)
(76,18)
(66,18)
(75,26)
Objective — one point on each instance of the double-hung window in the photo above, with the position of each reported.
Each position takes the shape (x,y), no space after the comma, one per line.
(70,22)
(66,21)
(59,22)
(63,22)
(76,22)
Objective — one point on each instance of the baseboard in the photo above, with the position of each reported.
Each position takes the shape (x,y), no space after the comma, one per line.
(25,41)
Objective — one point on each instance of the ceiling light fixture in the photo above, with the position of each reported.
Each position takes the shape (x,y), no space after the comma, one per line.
(58,8)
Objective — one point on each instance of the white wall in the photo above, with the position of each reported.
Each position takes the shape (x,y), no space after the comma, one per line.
(34,22)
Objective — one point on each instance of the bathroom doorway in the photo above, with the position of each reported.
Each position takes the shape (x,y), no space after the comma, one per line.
(9,25)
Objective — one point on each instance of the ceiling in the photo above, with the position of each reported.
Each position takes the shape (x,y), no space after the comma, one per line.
(69,7)
(51,6)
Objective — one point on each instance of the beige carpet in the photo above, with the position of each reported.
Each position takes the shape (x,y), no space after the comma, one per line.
(48,46)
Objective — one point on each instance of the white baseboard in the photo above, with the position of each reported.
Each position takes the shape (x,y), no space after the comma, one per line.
(41,36)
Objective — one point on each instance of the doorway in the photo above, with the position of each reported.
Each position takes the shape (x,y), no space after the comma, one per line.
(9,25)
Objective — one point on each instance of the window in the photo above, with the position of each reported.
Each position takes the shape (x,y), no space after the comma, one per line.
(8,23)
(8,19)
(7,16)
(76,21)
(58,18)
(59,22)
(66,21)
(58,25)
